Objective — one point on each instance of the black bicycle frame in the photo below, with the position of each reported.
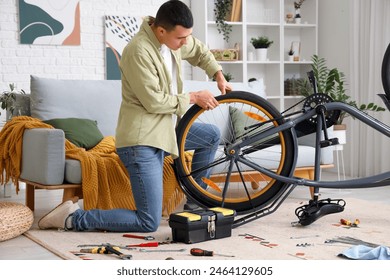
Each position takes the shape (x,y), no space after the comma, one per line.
(379,180)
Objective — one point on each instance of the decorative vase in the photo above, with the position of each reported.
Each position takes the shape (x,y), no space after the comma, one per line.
(261,54)
(291,58)
(298,20)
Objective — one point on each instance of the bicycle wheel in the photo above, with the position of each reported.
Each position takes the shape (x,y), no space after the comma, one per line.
(225,180)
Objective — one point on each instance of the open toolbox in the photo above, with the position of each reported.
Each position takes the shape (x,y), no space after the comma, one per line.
(201,225)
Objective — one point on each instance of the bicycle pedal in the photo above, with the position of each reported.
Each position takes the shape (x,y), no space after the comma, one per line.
(311,212)
(329,142)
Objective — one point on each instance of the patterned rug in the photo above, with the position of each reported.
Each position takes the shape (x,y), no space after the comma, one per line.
(279,240)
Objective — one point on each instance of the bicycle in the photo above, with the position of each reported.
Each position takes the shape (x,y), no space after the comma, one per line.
(237,158)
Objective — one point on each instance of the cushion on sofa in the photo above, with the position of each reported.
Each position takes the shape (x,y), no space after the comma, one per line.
(240,121)
(83,133)
(88,99)
(73,171)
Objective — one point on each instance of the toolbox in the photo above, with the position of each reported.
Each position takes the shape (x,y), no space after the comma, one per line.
(201,225)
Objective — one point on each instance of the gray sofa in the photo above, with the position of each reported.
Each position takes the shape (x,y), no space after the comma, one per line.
(43,163)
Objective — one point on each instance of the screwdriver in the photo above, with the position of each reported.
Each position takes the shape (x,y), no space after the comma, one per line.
(201,252)
(147,244)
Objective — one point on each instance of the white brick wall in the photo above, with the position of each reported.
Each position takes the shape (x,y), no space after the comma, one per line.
(86,61)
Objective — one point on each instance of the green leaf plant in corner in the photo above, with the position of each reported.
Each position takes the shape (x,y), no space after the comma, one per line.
(8,98)
(221,9)
(332,82)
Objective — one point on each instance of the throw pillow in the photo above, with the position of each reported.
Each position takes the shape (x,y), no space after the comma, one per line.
(240,121)
(83,133)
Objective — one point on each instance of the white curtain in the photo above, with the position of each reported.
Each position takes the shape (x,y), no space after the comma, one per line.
(370,36)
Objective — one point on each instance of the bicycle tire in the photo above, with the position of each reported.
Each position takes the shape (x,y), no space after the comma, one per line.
(233,108)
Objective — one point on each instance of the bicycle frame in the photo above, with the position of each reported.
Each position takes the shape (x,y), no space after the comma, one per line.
(379,180)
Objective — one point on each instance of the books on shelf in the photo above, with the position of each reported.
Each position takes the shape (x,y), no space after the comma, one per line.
(235,14)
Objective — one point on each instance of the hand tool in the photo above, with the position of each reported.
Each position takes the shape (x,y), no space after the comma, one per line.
(106,249)
(95,250)
(104,244)
(351,241)
(149,244)
(161,250)
(138,236)
(201,252)
(118,253)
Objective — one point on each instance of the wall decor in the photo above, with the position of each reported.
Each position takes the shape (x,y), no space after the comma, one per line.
(119,30)
(49,22)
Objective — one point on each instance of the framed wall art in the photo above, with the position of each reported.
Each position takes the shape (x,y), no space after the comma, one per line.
(119,30)
(49,22)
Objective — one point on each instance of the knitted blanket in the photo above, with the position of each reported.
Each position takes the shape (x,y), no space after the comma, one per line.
(105,181)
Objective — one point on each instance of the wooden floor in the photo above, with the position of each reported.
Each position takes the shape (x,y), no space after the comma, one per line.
(22,248)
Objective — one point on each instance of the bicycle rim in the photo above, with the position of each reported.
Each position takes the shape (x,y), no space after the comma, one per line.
(231,183)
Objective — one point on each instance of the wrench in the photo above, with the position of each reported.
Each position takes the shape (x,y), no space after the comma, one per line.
(162,250)
(106,244)
(122,256)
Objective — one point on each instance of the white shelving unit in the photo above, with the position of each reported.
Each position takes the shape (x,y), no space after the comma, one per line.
(262,17)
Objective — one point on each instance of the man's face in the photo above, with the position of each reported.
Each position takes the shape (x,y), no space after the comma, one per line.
(175,38)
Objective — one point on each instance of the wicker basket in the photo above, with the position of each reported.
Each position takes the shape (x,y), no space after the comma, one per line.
(15,219)
(225,55)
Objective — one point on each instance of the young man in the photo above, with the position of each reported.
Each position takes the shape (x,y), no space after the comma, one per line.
(152,99)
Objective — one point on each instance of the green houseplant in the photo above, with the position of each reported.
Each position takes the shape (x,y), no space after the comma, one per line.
(332,82)
(221,9)
(261,45)
(10,100)
(297,6)
(261,42)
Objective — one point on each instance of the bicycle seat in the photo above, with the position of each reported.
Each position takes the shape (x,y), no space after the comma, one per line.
(311,212)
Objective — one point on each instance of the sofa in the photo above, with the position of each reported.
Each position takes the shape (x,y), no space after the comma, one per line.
(99,101)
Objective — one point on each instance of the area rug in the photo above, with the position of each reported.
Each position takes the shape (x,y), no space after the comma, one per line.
(270,238)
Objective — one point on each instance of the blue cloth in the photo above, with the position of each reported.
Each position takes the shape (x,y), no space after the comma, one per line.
(362,252)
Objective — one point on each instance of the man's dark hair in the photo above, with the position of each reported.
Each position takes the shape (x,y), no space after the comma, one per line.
(172,13)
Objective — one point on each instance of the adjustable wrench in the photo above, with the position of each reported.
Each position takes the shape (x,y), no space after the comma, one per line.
(122,256)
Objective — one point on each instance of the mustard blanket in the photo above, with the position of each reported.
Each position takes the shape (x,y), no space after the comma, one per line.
(105,181)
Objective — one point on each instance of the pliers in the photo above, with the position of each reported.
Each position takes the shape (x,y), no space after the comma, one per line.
(138,236)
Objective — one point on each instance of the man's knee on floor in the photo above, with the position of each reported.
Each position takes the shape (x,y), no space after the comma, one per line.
(150,224)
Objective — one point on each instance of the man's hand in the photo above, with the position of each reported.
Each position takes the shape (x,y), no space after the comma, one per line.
(204,99)
(223,85)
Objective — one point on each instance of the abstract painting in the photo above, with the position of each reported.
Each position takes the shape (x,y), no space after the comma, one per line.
(49,22)
(119,30)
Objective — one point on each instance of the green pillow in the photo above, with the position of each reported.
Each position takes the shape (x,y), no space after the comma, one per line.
(83,133)
(240,121)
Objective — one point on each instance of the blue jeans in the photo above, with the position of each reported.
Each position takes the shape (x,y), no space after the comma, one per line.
(145,166)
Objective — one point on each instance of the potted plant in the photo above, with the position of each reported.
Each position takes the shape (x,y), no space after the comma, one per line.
(297,6)
(261,45)
(221,9)
(290,54)
(14,101)
(331,82)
